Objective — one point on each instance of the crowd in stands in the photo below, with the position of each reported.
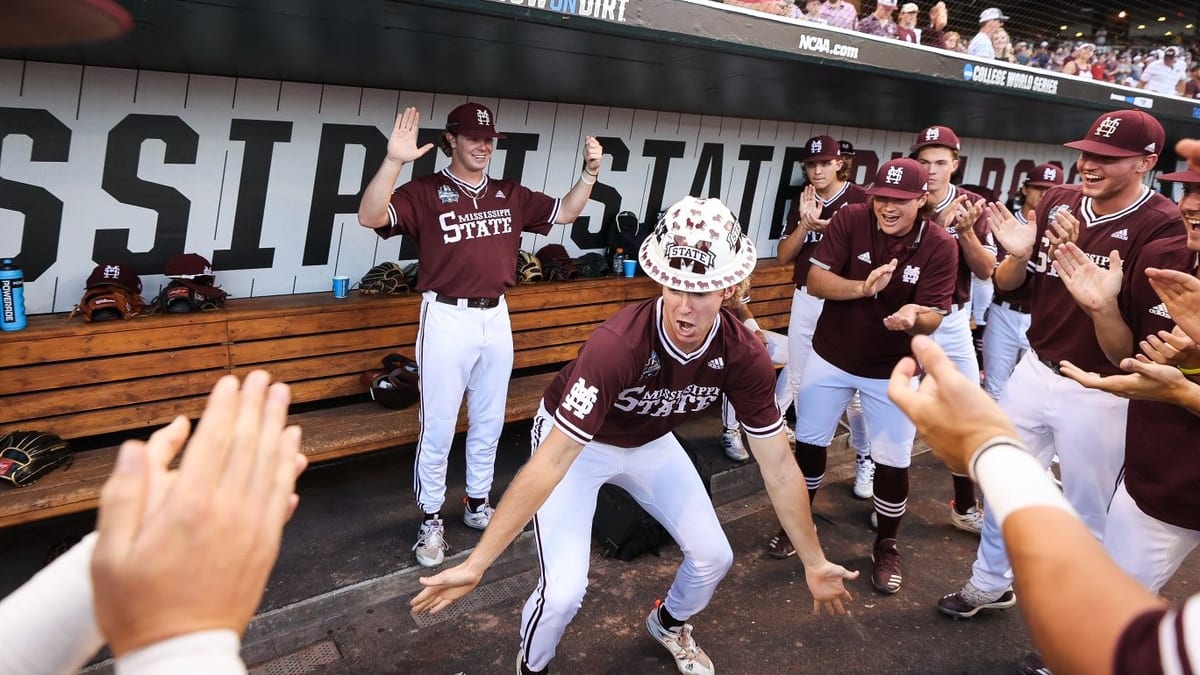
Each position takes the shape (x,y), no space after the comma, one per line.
(1164,69)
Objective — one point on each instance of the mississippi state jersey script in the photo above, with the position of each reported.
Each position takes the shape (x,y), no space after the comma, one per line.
(1059,329)
(849,194)
(468,236)
(1162,441)
(850,333)
(630,385)
(962,283)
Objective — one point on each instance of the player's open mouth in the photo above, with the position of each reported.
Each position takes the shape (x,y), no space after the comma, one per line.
(1091,178)
(684,327)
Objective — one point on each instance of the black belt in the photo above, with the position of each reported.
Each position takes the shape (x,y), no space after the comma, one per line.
(477,303)
(1052,365)
(1014,307)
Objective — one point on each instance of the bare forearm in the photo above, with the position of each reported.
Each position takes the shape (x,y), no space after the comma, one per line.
(980,261)
(372,209)
(829,286)
(1113,334)
(926,323)
(788,248)
(786,488)
(1010,273)
(1056,561)
(574,202)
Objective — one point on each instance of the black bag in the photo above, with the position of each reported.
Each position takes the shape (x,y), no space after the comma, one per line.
(622,527)
(626,233)
(592,265)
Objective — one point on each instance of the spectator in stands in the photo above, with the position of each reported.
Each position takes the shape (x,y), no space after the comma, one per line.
(775,7)
(1002,45)
(1161,76)
(952,41)
(839,13)
(1041,55)
(1021,53)
(1080,64)
(933,35)
(880,21)
(990,20)
(906,24)
(1191,89)
(812,11)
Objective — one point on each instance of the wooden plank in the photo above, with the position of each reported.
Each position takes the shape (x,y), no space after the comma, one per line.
(397,338)
(565,315)
(109,420)
(101,396)
(315,321)
(49,376)
(547,337)
(148,337)
(541,356)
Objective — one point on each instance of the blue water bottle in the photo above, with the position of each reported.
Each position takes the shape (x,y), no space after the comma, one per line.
(12,296)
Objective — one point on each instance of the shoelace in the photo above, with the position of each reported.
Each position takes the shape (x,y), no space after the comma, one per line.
(427,533)
(686,643)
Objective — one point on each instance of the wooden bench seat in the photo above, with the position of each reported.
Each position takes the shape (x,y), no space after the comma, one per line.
(96,384)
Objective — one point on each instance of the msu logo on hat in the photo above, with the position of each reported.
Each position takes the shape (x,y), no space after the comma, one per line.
(698,246)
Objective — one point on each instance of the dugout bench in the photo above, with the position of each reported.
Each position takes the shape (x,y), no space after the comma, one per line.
(98,384)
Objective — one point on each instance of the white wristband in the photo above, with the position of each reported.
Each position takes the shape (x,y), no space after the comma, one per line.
(1011,479)
(583,178)
(751,324)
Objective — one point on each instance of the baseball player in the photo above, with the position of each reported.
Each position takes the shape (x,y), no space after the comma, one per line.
(1110,210)
(829,190)
(776,344)
(960,212)
(885,272)
(467,227)
(1008,318)
(1154,517)
(607,418)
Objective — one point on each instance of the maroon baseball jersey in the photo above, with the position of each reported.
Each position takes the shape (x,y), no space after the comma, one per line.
(1018,298)
(849,194)
(1157,641)
(1059,329)
(1162,441)
(850,333)
(962,279)
(467,236)
(630,384)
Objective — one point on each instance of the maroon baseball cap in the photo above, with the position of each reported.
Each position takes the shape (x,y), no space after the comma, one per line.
(820,148)
(474,120)
(188,266)
(901,178)
(845,148)
(1122,133)
(936,135)
(1188,176)
(115,274)
(1046,175)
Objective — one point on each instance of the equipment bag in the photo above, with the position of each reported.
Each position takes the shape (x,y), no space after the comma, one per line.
(622,527)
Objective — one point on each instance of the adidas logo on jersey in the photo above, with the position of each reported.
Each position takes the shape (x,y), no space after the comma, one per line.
(499,194)
(1123,235)
(1160,310)
(717,363)
(865,256)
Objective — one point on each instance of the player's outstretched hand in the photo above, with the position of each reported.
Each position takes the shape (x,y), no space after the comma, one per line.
(1016,237)
(444,588)
(191,550)
(952,414)
(906,317)
(827,584)
(402,145)
(593,154)
(1094,288)
(879,278)
(1181,293)
(1146,381)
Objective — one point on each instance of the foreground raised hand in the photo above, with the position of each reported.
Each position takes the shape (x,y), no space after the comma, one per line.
(188,551)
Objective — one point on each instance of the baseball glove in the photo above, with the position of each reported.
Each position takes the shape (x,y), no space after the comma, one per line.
(529,268)
(188,296)
(26,456)
(103,303)
(384,279)
(560,269)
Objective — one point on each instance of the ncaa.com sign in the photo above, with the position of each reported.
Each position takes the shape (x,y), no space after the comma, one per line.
(823,45)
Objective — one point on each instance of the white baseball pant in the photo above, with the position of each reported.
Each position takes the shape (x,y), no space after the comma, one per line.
(1148,549)
(1004,342)
(826,390)
(663,480)
(982,291)
(1084,427)
(806,309)
(954,337)
(777,349)
(460,350)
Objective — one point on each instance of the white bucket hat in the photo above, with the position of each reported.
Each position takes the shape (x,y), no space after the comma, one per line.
(698,246)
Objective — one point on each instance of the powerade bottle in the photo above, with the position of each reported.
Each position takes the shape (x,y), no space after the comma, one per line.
(12,296)
(618,262)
